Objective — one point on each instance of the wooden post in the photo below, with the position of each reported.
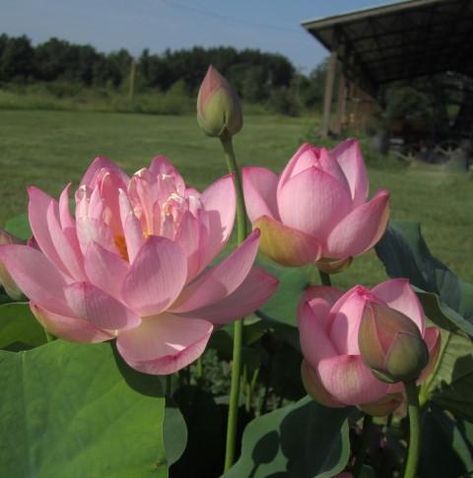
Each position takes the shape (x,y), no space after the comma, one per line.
(341,104)
(328,94)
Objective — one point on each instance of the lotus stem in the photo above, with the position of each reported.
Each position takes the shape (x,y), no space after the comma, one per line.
(414,430)
(242,231)
(325,278)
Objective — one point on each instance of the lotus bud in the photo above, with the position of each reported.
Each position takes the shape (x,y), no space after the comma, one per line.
(391,344)
(6,280)
(218,106)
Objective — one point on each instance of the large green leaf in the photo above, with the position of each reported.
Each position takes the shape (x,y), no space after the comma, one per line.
(447,446)
(19,327)
(405,254)
(282,306)
(69,410)
(451,383)
(441,314)
(302,440)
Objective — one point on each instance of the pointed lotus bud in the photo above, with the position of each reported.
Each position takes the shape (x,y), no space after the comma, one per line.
(6,280)
(391,344)
(218,106)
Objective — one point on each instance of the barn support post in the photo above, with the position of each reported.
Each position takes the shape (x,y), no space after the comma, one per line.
(341,104)
(328,94)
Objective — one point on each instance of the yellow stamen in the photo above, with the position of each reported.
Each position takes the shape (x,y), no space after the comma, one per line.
(121,246)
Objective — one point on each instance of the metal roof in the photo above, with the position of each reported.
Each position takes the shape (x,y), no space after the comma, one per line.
(400,41)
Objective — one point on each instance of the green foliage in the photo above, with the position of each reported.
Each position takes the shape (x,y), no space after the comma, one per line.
(77,410)
(19,328)
(447,446)
(303,439)
(451,383)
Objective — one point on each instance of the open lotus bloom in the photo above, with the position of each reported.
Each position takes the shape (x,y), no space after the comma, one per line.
(317,210)
(132,264)
(333,371)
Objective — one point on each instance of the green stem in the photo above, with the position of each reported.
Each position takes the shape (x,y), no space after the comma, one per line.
(242,229)
(325,278)
(364,440)
(242,232)
(414,430)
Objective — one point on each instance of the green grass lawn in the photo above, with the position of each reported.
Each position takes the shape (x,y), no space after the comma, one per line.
(51,148)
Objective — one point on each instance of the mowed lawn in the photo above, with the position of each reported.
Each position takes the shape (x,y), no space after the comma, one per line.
(49,149)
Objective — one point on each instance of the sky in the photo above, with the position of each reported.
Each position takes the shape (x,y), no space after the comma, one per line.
(268,25)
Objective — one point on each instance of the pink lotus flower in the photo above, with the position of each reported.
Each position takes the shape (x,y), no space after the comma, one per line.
(333,371)
(317,210)
(132,264)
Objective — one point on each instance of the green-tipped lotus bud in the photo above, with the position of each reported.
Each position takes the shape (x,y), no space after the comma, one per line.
(391,344)
(6,280)
(218,106)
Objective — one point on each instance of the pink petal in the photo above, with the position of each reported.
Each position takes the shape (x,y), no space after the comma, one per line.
(98,164)
(255,290)
(64,213)
(99,308)
(134,237)
(308,156)
(39,280)
(260,186)
(398,294)
(346,317)
(315,388)
(361,229)
(189,238)
(315,343)
(298,162)
(314,202)
(38,205)
(160,165)
(286,245)
(105,269)
(67,250)
(219,201)
(110,185)
(164,344)
(156,276)
(90,230)
(220,281)
(348,155)
(348,379)
(69,328)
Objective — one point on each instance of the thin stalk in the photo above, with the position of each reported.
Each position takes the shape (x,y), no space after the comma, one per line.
(242,231)
(364,441)
(325,278)
(414,430)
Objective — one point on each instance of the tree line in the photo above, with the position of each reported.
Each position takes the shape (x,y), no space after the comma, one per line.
(258,76)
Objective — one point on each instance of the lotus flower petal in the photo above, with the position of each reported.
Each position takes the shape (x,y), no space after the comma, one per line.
(260,186)
(164,344)
(361,229)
